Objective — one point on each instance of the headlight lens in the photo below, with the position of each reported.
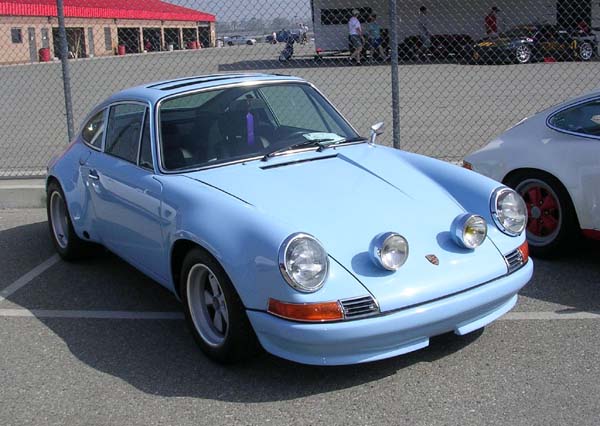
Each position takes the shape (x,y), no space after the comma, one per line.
(509,211)
(389,250)
(469,230)
(303,262)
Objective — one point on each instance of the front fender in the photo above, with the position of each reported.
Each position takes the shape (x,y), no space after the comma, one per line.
(245,241)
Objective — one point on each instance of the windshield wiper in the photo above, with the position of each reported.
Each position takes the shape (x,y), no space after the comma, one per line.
(321,143)
(332,142)
(316,142)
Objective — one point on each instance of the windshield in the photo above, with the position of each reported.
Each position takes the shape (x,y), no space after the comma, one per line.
(224,125)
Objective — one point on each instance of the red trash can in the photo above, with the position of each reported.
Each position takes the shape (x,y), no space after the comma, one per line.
(44,54)
(121,50)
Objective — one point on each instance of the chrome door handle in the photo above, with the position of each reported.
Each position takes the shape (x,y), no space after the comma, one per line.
(93,174)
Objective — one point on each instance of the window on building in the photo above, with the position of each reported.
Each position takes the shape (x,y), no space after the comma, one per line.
(16,35)
(108,39)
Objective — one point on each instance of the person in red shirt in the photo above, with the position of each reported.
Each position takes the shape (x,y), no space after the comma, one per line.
(491,22)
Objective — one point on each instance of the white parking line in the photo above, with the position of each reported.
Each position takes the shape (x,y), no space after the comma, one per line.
(137,315)
(28,277)
(124,315)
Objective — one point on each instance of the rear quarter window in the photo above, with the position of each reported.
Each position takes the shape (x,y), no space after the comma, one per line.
(582,119)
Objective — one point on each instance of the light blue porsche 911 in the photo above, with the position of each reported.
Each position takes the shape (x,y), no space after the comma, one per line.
(277,225)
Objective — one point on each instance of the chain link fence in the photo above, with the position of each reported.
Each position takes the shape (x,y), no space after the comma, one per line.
(467,70)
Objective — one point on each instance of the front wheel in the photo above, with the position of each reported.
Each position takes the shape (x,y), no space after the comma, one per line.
(214,311)
(552,222)
(523,54)
(585,52)
(68,245)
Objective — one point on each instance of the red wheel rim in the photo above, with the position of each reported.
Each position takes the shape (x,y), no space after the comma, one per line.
(543,210)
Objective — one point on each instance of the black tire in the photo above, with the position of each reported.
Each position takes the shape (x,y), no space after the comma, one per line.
(249,42)
(546,239)
(585,51)
(68,245)
(229,43)
(237,341)
(523,54)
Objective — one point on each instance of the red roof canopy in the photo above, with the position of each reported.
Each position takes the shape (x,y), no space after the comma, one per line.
(107,9)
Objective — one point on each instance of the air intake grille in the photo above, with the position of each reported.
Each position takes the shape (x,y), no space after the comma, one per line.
(359,307)
(514,260)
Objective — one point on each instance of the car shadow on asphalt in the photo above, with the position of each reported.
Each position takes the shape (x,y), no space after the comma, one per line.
(159,357)
(572,279)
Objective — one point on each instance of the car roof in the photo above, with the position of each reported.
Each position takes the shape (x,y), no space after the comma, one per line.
(155,91)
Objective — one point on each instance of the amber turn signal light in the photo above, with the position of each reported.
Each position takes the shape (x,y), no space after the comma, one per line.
(309,312)
(524,250)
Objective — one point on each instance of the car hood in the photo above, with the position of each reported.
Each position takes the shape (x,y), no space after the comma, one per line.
(347,196)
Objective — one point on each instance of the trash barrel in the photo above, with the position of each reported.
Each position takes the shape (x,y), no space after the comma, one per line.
(121,50)
(44,54)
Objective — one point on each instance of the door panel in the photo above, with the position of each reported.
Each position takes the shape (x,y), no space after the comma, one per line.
(127,202)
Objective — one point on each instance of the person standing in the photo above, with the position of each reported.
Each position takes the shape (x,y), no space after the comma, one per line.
(424,34)
(491,22)
(355,36)
(374,38)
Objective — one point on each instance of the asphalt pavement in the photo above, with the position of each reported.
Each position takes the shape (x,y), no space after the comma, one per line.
(447,109)
(98,343)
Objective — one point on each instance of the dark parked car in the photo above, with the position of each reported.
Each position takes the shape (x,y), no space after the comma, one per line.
(529,43)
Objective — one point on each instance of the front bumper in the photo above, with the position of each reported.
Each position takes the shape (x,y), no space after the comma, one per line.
(388,335)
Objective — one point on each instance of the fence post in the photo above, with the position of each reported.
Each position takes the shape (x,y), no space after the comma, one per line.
(64,59)
(394,71)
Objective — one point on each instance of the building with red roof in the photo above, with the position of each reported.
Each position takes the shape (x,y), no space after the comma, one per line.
(29,28)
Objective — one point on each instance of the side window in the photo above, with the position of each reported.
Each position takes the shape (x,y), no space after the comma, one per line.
(146,148)
(123,131)
(94,130)
(294,108)
(583,119)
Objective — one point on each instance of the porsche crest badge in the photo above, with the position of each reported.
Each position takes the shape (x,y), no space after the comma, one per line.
(433,259)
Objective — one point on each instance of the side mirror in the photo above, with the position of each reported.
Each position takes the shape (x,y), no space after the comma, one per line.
(376,130)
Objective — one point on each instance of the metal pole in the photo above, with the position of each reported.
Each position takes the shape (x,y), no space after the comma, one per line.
(64,59)
(394,71)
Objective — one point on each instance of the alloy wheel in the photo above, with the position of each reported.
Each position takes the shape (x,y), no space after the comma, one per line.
(544,211)
(523,54)
(59,220)
(207,305)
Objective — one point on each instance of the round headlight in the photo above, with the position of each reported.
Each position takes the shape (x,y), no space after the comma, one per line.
(469,230)
(389,250)
(509,211)
(303,262)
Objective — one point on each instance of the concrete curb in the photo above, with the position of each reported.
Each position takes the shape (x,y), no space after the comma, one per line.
(22,193)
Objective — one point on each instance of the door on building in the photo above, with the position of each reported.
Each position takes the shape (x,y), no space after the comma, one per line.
(32,44)
(90,35)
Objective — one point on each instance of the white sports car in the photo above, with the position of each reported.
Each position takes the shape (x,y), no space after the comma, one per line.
(553,160)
